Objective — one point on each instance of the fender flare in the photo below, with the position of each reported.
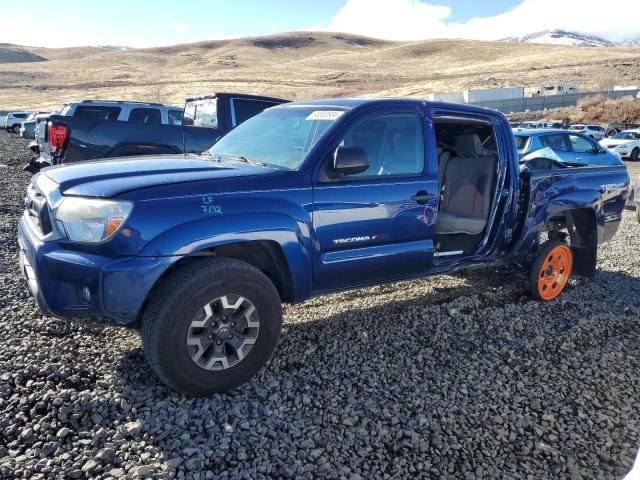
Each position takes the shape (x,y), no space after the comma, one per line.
(202,235)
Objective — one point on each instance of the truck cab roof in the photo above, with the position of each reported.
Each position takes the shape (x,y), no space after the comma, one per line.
(350,103)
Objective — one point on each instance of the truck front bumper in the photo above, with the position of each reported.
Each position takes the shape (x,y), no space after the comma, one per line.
(72,284)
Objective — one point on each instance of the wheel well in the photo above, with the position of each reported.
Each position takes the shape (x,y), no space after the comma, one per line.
(265,255)
(581,227)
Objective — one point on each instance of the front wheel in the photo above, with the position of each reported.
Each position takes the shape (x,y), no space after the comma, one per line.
(635,154)
(16,129)
(551,271)
(211,326)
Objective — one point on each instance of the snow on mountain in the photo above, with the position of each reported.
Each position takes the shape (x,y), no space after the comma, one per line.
(563,37)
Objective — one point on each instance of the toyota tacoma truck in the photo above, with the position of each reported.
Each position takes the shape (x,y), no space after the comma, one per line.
(91,130)
(303,199)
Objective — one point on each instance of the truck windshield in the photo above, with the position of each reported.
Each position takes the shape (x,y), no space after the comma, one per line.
(280,136)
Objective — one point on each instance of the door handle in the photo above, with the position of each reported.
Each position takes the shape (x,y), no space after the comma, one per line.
(423,197)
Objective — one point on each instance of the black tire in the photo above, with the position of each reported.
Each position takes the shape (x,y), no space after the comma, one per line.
(169,314)
(538,267)
(635,154)
(15,128)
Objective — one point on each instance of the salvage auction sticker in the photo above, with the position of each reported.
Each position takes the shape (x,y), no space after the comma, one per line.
(325,115)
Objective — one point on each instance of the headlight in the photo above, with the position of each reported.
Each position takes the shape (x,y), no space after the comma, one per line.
(90,219)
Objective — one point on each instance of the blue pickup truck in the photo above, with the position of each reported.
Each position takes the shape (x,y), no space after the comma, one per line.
(305,198)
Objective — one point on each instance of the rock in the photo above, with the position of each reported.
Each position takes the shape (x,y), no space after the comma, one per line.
(535,404)
(144,471)
(132,428)
(192,464)
(174,462)
(89,466)
(105,454)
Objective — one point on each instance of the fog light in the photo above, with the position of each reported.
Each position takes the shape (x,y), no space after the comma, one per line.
(86,294)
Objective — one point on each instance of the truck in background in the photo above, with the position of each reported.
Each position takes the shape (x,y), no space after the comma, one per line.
(93,130)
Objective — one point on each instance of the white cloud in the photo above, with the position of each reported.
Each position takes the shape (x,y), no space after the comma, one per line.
(391,19)
(179,27)
(416,20)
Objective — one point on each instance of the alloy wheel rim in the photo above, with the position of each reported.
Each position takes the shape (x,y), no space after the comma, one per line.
(223,332)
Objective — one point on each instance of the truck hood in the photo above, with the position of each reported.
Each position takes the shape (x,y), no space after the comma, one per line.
(108,178)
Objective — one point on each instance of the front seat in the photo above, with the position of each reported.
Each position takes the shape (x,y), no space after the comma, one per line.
(443,158)
(469,179)
(402,156)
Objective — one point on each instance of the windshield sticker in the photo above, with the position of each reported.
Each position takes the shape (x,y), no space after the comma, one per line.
(325,115)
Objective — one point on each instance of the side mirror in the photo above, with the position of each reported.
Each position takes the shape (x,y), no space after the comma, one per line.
(350,160)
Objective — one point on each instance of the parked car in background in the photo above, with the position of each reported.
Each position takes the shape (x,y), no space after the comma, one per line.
(14,121)
(140,112)
(541,124)
(572,147)
(95,130)
(595,132)
(626,144)
(301,200)
(615,128)
(28,127)
(94,112)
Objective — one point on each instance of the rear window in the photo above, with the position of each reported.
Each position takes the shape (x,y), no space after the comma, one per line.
(95,111)
(145,115)
(245,109)
(201,113)
(175,117)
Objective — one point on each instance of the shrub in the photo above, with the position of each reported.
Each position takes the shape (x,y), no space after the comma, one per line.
(594,109)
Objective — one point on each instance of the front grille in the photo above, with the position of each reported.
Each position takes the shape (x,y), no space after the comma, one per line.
(35,204)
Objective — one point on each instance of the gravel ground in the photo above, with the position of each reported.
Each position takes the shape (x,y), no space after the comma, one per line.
(455,376)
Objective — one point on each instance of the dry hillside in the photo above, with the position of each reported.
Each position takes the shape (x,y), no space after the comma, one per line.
(299,65)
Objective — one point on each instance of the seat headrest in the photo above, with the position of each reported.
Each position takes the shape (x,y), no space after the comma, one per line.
(468,145)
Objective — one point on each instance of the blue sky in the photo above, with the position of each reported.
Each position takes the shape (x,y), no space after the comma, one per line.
(148,23)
